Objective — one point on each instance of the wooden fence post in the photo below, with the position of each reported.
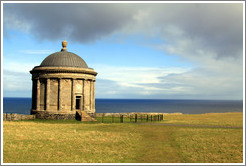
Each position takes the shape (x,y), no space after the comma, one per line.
(151,118)
(147,118)
(136,118)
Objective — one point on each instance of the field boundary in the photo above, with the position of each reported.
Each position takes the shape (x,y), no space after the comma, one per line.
(128,117)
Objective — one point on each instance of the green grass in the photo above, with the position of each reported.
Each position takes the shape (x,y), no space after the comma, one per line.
(70,141)
(210,145)
(217,119)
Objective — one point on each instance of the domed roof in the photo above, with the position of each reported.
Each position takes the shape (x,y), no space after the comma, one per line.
(64,59)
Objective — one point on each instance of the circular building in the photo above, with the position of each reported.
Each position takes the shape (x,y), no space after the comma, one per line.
(63,87)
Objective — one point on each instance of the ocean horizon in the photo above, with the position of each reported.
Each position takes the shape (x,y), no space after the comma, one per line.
(185,106)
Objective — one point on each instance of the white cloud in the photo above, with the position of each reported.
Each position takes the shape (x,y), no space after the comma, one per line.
(218,80)
(131,76)
(134,81)
(16,81)
(16,76)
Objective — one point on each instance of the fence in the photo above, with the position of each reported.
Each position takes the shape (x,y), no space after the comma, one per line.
(127,118)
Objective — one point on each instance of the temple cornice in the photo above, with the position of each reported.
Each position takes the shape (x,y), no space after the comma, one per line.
(39,69)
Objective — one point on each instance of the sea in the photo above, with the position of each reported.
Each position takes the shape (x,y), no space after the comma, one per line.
(23,106)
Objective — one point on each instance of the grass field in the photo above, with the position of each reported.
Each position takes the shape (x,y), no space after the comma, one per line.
(70,141)
(219,119)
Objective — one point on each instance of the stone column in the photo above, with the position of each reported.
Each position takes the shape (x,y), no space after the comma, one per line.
(38,95)
(82,104)
(73,95)
(83,95)
(48,94)
(59,94)
(34,94)
(91,94)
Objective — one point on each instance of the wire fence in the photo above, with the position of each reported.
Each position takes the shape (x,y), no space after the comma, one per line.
(130,118)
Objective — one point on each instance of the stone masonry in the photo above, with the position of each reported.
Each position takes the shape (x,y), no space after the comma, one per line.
(10,117)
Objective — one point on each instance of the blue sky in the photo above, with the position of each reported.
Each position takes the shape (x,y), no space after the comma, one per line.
(146,51)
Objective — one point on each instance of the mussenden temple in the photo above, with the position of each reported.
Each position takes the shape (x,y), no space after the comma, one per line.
(63,87)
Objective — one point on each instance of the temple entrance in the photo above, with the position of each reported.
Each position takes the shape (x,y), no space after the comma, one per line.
(78,101)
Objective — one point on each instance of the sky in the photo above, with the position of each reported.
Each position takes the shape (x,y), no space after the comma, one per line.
(140,50)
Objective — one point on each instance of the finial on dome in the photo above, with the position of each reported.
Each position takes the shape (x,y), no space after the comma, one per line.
(64,45)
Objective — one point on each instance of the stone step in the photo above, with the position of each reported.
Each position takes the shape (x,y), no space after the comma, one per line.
(84,117)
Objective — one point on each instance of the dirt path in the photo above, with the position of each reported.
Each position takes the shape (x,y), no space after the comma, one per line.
(190,125)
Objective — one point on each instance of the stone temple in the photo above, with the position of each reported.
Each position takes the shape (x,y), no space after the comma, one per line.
(63,87)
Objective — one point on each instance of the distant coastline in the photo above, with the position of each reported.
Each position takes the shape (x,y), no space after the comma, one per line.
(23,105)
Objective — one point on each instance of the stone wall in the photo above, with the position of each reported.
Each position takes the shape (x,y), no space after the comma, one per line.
(38,115)
(53,116)
(9,116)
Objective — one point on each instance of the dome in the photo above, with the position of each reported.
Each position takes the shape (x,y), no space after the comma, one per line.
(64,59)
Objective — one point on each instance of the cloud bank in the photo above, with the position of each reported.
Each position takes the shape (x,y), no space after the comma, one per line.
(210,35)
(78,22)
(215,27)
